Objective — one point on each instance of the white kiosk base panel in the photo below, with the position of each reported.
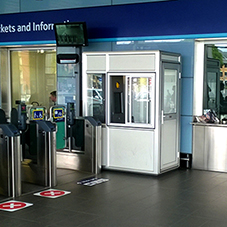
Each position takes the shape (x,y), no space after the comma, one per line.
(13,205)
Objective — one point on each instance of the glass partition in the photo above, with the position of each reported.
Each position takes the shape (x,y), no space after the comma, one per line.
(67,83)
(33,74)
(212,79)
(5,81)
(170,84)
(96,96)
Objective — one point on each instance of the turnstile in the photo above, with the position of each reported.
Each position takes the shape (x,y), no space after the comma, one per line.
(83,143)
(40,153)
(10,161)
(38,165)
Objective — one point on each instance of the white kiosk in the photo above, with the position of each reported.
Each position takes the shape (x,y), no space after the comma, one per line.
(136,96)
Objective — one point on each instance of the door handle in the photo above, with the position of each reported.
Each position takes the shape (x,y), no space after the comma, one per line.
(162,117)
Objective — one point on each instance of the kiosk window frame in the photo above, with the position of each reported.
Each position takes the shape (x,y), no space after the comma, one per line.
(136,100)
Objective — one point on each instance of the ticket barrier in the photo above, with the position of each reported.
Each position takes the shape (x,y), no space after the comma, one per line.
(38,166)
(57,116)
(82,149)
(10,165)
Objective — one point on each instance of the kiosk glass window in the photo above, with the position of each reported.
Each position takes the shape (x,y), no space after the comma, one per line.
(33,74)
(96,96)
(170,84)
(140,100)
(131,99)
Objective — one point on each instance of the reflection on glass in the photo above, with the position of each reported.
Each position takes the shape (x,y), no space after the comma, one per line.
(139,100)
(211,90)
(33,75)
(95,96)
(66,85)
(140,97)
(129,99)
(223,98)
(66,70)
(170,84)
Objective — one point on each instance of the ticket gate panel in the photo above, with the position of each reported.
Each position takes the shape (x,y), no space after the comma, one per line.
(36,169)
(10,156)
(32,131)
(85,154)
(78,135)
(60,136)
(5,166)
(57,115)
(35,141)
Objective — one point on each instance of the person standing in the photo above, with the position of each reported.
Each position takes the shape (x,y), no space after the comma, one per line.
(53,97)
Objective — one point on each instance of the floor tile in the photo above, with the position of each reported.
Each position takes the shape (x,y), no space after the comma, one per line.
(177,198)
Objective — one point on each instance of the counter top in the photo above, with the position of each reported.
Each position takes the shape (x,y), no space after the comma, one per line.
(209,124)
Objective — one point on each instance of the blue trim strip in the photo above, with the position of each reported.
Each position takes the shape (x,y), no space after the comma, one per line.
(192,36)
(27,43)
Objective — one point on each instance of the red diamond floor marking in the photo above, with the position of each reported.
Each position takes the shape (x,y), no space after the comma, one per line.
(13,205)
(52,193)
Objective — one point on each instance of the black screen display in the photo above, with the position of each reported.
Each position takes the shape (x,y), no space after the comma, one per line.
(117,102)
(71,34)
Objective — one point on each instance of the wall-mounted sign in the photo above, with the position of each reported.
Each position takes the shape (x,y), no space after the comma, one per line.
(108,23)
(58,114)
(37,115)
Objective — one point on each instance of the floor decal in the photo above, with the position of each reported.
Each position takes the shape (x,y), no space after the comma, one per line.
(92,181)
(52,193)
(14,205)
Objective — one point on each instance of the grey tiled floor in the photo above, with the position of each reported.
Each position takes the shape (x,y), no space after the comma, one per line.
(184,198)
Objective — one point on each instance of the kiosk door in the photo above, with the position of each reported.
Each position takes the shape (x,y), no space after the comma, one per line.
(170,115)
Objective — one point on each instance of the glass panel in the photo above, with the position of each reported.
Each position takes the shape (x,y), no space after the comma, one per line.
(140,100)
(129,100)
(211,90)
(68,84)
(170,84)
(5,89)
(33,76)
(95,96)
